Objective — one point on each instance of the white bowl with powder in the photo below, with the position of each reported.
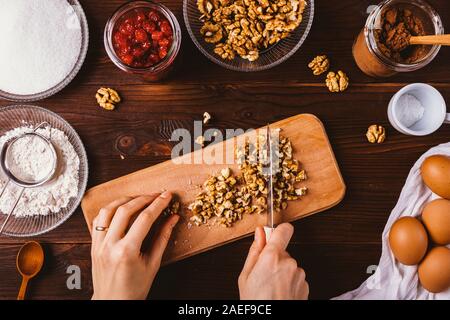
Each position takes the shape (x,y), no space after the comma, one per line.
(43,208)
(46,44)
(418,109)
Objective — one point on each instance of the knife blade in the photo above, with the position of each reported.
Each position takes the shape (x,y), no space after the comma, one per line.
(270,224)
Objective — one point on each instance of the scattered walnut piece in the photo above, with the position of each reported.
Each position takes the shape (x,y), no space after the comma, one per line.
(244,27)
(206,117)
(319,65)
(107,98)
(337,82)
(172,208)
(200,140)
(376,134)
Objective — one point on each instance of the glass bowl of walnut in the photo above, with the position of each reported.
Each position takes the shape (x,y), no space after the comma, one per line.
(248,35)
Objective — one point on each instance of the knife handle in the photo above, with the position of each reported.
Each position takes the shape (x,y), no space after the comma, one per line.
(268,231)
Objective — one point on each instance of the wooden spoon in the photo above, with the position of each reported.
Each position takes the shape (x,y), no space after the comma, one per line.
(29,262)
(442,40)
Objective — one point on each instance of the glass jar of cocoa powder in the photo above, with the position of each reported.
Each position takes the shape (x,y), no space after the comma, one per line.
(381,49)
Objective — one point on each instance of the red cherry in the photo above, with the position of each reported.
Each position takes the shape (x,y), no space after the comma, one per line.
(146,46)
(153,58)
(164,42)
(120,39)
(162,52)
(123,30)
(165,28)
(157,35)
(140,35)
(126,29)
(127,59)
(138,52)
(140,16)
(124,49)
(129,20)
(153,16)
(149,26)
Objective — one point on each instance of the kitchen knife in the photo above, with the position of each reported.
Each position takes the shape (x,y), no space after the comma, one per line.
(270,225)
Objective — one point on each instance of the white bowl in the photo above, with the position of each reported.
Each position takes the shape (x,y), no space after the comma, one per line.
(435,113)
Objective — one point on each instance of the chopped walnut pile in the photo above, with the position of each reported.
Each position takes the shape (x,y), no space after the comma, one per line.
(221,198)
(244,27)
(376,134)
(229,197)
(337,82)
(319,65)
(284,180)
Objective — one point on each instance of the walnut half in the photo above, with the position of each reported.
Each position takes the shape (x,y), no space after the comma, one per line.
(319,65)
(337,82)
(107,98)
(376,134)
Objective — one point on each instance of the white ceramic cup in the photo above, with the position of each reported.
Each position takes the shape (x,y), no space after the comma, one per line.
(435,113)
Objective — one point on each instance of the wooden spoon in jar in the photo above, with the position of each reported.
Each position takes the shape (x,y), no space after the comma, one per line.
(29,262)
(441,40)
(399,42)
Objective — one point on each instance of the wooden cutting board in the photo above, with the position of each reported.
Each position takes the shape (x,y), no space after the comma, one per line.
(326,187)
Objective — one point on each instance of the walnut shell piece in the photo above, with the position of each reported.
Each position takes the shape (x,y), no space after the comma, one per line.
(337,82)
(319,65)
(376,134)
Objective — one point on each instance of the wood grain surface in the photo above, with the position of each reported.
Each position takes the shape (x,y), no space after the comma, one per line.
(335,247)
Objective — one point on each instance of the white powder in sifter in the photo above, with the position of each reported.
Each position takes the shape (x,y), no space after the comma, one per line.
(409,110)
(40,44)
(55,194)
(30,159)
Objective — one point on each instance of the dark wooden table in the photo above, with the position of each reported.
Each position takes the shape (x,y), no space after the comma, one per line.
(335,247)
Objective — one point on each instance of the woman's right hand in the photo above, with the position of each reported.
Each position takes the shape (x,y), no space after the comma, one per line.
(270,273)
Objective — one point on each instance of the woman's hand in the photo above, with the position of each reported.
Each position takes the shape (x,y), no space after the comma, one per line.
(120,269)
(270,273)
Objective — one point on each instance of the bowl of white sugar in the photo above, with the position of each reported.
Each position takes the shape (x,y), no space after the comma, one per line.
(44,207)
(44,45)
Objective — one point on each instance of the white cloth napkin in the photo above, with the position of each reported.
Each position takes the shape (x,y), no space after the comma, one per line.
(393,280)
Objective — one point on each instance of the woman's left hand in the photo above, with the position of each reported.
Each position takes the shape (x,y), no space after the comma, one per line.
(120,268)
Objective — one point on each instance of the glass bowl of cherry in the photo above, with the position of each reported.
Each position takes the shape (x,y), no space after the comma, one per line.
(143,37)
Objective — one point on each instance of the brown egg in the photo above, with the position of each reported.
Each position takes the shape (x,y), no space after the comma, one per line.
(434,271)
(436,218)
(408,240)
(436,175)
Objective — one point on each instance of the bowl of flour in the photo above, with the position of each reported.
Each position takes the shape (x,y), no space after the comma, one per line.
(45,207)
(44,45)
